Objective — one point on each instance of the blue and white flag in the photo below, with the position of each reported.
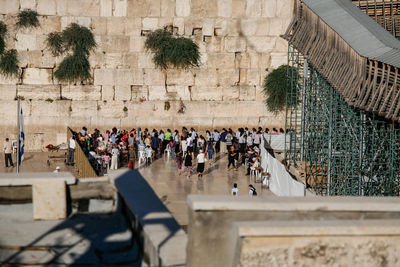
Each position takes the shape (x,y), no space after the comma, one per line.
(21,140)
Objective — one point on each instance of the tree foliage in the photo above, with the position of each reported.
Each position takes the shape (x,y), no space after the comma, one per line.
(169,50)
(28,18)
(274,89)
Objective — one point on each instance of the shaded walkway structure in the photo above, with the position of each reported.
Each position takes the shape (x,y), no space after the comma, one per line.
(343,98)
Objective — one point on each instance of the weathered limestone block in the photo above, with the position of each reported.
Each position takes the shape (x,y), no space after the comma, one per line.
(167,8)
(284,8)
(133,26)
(39,92)
(123,92)
(154,7)
(90,8)
(9,80)
(225,8)
(261,43)
(46,7)
(83,21)
(206,93)
(157,92)
(247,93)
(150,24)
(206,77)
(178,92)
(112,60)
(106,8)
(104,77)
(253,77)
(213,45)
(281,45)
(137,8)
(41,42)
(112,109)
(253,8)
(242,60)
(120,7)
(84,108)
(221,60)
(228,77)
(25,42)
(208,27)
(9,6)
(130,60)
(128,76)
(136,43)
(193,26)
(230,93)
(107,92)
(37,76)
(49,200)
(263,26)
(115,25)
(277,26)
(179,77)
(114,43)
(269,8)
(278,59)
(146,60)
(61,7)
(232,28)
(154,77)
(182,8)
(99,26)
(248,26)
(85,92)
(139,93)
(238,8)
(180,24)
(28,4)
(8,91)
(235,44)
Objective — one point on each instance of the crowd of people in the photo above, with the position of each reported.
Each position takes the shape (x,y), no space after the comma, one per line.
(115,148)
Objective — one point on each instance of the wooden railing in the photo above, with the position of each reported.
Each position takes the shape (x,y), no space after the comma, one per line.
(82,164)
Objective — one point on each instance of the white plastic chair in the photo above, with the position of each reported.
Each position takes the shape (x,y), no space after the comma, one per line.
(167,150)
(141,156)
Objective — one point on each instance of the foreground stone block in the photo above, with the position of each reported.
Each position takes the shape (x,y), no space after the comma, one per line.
(49,200)
(86,92)
(39,92)
(37,76)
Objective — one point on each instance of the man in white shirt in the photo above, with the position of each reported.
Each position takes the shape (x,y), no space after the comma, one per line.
(235,190)
(114,158)
(200,163)
(72,146)
(7,147)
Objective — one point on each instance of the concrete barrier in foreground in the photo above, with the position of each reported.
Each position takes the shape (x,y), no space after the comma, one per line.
(227,231)
(162,239)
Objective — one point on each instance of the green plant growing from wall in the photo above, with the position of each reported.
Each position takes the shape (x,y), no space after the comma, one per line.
(77,41)
(274,89)
(9,63)
(3,32)
(172,51)
(28,18)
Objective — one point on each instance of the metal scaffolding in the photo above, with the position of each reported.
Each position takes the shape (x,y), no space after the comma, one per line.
(343,150)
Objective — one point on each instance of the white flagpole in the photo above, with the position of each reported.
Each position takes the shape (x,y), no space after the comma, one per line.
(18,136)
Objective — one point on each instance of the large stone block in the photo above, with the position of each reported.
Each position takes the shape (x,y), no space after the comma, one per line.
(206,93)
(130,60)
(157,92)
(62,7)
(167,8)
(179,77)
(133,26)
(221,60)
(146,60)
(106,7)
(154,77)
(137,8)
(230,93)
(238,8)
(180,24)
(247,93)
(112,109)
(46,7)
(154,7)
(112,60)
(99,26)
(208,27)
(228,77)
(139,93)
(107,92)
(9,6)
(206,77)
(128,77)
(49,200)
(269,8)
(25,42)
(182,8)
(150,24)
(263,26)
(39,92)
(253,8)
(115,25)
(224,8)
(178,92)
(278,59)
(120,7)
(115,43)
(83,21)
(104,77)
(235,44)
(85,92)
(84,108)
(214,44)
(28,4)
(89,8)
(8,91)
(281,45)
(261,44)
(37,76)
(123,92)
(284,8)
(137,43)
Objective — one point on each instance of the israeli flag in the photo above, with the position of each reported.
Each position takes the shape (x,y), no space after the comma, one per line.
(21,136)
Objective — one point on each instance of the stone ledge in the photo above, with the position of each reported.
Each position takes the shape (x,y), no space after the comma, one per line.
(14,179)
(318,228)
(226,203)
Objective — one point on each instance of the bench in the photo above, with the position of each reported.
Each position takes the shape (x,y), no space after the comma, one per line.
(49,195)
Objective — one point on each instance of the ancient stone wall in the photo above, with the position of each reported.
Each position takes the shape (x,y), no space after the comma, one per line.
(239,44)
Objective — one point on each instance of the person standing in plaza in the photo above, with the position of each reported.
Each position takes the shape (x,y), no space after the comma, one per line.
(7,146)
(132,158)
(71,152)
(114,158)
(200,163)
(231,158)
(235,190)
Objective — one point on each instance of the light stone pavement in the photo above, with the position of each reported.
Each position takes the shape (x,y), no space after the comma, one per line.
(173,189)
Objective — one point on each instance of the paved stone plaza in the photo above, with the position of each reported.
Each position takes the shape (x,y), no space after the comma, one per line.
(173,189)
